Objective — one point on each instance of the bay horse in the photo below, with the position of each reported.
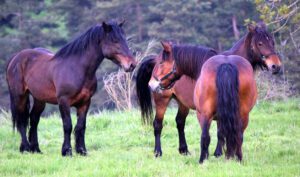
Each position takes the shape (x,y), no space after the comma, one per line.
(163,97)
(255,50)
(66,78)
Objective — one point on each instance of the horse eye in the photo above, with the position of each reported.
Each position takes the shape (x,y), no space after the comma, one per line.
(260,44)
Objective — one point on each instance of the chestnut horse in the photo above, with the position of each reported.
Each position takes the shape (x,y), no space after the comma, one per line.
(257,47)
(66,78)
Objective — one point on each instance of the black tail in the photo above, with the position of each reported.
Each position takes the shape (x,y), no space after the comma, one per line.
(228,106)
(143,91)
(20,115)
(19,101)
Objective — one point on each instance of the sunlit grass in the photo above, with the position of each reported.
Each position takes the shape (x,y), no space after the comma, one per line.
(119,145)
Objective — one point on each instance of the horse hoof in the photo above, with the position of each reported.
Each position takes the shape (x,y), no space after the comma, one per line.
(201,161)
(217,154)
(203,156)
(35,149)
(81,151)
(157,153)
(67,152)
(184,151)
(24,148)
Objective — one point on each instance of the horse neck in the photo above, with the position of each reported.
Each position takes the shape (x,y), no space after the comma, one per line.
(90,61)
(192,68)
(240,48)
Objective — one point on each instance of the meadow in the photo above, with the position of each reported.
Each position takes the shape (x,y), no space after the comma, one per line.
(119,145)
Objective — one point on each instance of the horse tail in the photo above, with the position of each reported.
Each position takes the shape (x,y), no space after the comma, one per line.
(142,89)
(19,99)
(20,114)
(228,114)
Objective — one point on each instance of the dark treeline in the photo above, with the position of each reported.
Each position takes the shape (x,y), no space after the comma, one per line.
(214,23)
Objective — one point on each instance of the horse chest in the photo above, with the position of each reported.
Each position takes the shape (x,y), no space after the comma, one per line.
(84,94)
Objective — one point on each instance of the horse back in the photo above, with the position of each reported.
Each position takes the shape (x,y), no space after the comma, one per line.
(27,65)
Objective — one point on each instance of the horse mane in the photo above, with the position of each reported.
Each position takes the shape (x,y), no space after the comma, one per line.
(190,58)
(92,37)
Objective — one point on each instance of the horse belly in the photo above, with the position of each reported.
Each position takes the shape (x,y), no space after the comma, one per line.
(42,90)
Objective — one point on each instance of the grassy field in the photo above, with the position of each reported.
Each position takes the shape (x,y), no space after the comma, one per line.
(119,145)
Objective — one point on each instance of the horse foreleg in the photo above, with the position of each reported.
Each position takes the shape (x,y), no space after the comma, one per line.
(37,109)
(182,113)
(64,109)
(161,106)
(80,128)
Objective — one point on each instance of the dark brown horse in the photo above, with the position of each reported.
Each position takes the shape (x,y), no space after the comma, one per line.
(66,78)
(244,48)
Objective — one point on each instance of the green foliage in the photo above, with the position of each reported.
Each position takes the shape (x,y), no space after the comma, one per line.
(119,145)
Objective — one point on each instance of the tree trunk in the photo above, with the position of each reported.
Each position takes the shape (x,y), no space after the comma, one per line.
(139,21)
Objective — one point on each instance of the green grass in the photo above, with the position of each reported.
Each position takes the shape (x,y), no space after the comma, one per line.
(119,145)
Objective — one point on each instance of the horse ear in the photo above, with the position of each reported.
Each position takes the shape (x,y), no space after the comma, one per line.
(262,25)
(167,46)
(251,28)
(107,28)
(122,23)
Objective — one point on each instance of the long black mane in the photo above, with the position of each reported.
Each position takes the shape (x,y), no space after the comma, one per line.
(189,58)
(92,37)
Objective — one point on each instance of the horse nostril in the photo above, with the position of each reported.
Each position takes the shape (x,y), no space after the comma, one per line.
(273,67)
(132,66)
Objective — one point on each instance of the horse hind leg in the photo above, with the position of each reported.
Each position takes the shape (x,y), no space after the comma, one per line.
(20,106)
(205,122)
(219,149)
(182,113)
(37,109)
(239,152)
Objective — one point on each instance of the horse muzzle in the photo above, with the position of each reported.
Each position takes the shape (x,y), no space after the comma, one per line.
(154,85)
(275,69)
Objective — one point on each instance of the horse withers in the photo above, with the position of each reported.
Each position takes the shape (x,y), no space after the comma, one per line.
(66,78)
(226,89)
